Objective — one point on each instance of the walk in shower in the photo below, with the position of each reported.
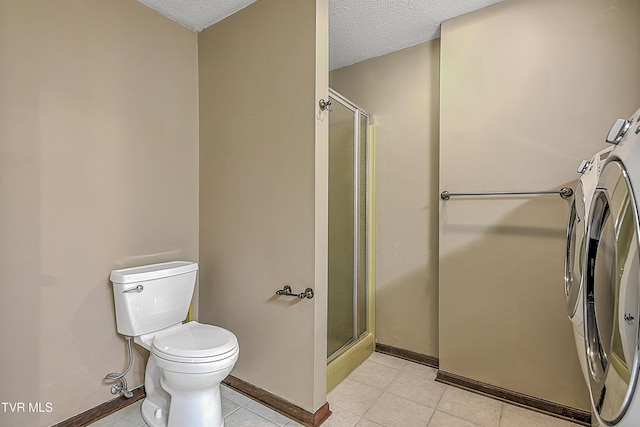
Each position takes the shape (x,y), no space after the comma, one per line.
(349,329)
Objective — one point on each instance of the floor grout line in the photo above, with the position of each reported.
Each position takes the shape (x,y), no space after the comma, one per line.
(416,381)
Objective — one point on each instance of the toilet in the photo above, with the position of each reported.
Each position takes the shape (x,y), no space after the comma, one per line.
(187,361)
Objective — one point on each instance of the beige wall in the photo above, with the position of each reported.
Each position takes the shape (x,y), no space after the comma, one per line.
(528,89)
(401,92)
(98,170)
(259,199)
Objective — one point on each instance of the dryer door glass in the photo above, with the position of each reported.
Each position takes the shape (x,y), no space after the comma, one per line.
(612,309)
(575,251)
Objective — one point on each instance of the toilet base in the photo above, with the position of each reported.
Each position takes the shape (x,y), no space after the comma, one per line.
(209,414)
(182,399)
(148,411)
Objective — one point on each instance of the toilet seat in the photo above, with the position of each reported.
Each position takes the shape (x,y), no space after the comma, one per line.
(195,342)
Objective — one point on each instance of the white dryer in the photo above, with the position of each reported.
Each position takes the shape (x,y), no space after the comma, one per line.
(612,282)
(576,249)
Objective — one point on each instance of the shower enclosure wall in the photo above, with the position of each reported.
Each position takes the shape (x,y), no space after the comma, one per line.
(349,331)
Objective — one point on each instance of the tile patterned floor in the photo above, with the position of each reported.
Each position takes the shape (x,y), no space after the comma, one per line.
(382,392)
(237,409)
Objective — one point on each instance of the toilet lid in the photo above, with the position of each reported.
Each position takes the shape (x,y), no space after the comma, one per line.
(195,340)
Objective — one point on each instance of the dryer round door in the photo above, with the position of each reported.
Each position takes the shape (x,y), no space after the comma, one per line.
(612,309)
(575,251)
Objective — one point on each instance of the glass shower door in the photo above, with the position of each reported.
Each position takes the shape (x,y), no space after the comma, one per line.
(347,304)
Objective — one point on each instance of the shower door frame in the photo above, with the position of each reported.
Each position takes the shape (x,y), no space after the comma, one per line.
(361,345)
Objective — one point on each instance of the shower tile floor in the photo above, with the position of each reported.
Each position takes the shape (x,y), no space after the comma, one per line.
(382,392)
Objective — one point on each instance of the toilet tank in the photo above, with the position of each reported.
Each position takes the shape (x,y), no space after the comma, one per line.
(152,297)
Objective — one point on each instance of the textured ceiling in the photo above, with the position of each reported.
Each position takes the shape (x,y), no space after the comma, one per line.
(197,14)
(358,29)
(363,29)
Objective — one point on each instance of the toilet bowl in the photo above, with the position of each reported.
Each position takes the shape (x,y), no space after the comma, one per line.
(187,361)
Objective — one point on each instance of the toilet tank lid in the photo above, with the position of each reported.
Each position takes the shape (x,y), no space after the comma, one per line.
(153,271)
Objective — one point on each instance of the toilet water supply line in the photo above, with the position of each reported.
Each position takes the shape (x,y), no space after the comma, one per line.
(121,386)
